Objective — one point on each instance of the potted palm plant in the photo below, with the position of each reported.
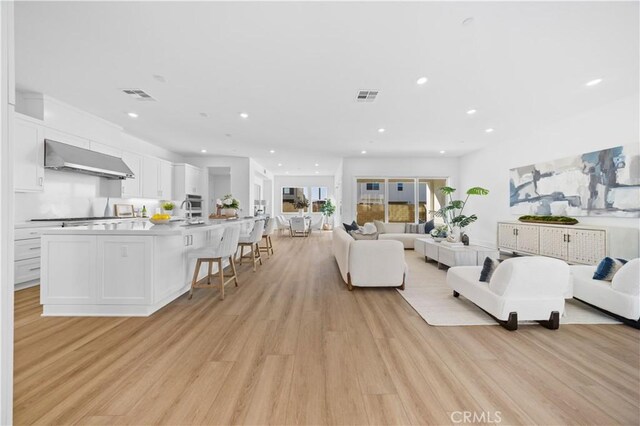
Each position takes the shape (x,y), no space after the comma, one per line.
(452,212)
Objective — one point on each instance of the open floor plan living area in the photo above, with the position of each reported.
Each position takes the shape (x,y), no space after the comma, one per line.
(319,212)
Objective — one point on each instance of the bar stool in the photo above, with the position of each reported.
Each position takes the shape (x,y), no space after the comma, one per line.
(252,240)
(269,229)
(225,250)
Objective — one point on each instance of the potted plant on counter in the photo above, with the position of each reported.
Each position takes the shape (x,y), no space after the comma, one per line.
(168,207)
(328,209)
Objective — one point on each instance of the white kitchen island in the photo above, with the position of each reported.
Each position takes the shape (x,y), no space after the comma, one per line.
(124,269)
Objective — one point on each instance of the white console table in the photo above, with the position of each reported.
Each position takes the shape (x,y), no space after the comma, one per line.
(444,254)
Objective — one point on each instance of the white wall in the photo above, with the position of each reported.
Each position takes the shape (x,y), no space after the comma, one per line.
(68,194)
(301,182)
(610,125)
(219,185)
(354,168)
(240,177)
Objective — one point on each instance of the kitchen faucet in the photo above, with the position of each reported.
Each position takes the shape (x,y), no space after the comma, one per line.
(189,207)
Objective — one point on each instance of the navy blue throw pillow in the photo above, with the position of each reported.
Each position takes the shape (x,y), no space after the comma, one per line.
(428,226)
(607,268)
(488,268)
(353,227)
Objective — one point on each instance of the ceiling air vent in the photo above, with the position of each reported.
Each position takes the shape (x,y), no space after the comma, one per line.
(367,95)
(138,94)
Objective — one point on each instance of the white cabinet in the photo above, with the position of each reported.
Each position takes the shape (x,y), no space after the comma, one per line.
(165,180)
(132,187)
(187,179)
(28,153)
(61,283)
(124,270)
(521,238)
(157,178)
(582,245)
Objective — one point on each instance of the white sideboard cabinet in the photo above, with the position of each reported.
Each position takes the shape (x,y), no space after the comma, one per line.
(575,244)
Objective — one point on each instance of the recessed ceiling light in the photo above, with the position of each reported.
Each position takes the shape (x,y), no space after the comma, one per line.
(203,150)
(279,164)
(271,151)
(471,111)
(286,173)
(132,114)
(317,164)
(594,82)
(442,152)
(422,80)
(363,152)
(317,172)
(380,130)
(244,115)
(489,130)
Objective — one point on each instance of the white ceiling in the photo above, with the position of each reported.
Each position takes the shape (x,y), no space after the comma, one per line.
(295,68)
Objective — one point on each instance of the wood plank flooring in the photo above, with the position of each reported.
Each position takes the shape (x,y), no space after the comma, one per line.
(291,345)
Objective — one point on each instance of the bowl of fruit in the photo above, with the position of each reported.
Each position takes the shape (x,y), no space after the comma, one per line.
(160,219)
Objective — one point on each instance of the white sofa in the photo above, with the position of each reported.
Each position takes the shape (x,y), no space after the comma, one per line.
(369,263)
(620,297)
(522,288)
(395,231)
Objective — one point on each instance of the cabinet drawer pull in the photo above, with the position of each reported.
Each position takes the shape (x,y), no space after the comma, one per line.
(34,269)
(34,248)
(568,238)
(40,181)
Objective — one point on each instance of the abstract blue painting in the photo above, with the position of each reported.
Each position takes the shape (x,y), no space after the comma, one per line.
(599,183)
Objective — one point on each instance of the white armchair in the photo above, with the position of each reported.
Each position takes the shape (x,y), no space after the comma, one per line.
(528,288)
(300,225)
(619,298)
(283,224)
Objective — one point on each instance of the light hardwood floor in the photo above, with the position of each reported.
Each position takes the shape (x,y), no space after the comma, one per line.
(292,346)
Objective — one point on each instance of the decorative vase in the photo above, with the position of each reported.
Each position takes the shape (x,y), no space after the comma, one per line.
(454,235)
(228,212)
(465,239)
(169,212)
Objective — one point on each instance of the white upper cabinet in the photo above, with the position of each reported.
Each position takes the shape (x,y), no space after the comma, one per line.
(165,180)
(67,138)
(28,152)
(157,178)
(187,180)
(132,188)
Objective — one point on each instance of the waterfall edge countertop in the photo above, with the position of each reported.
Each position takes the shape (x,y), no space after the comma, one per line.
(144,228)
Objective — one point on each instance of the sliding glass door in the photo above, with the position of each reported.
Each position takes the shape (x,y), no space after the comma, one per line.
(401,200)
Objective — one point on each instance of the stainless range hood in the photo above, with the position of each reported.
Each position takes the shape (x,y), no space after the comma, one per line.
(61,156)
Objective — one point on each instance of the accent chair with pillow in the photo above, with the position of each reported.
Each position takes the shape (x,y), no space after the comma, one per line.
(618,294)
(528,288)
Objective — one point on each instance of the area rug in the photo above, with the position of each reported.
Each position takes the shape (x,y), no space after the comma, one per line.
(427,292)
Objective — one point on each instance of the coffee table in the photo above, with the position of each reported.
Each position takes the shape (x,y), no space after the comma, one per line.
(444,254)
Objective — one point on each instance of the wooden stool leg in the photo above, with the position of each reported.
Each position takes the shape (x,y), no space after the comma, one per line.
(258,254)
(241,253)
(195,277)
(270,243)
(253,257)
(221,272)
(233,268)
(210,270)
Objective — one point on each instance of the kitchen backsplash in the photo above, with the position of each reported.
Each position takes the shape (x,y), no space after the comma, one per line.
(70,195)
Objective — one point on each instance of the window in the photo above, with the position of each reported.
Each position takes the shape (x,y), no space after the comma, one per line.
(289,197)
(371,201)
(402,200)
(373,186)
(318,198)
(398,199)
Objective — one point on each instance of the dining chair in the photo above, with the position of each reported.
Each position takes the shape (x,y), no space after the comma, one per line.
(299,225)
(226,249)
